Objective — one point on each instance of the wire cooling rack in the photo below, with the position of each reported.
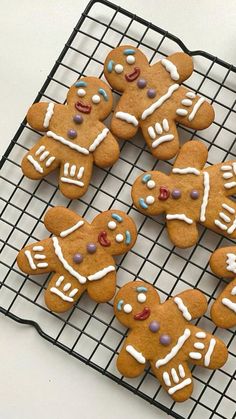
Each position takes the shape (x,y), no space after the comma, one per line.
(89,331)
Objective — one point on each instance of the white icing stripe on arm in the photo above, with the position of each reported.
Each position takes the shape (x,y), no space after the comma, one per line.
(30,259)
(72,229)
(40,150)
(228,208)
(200,335)
(186,171)
(34,163)
(49,114)
(184,383)
(50,161)
(232,227)
(207,359)
(181,217)
(160,101)
(166,378)
(182,339)
(228,303)
(171,68)
(206,184)
(99,139)
(67,143)
(163,139)
(61,295)
(174,375)
(100,274)
(233,292)
(196,108)
(38,248)
(182,307)
(127,117)
(135,354)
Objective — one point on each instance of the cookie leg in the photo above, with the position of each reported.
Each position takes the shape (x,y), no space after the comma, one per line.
(223,311)
(75,177)
(222,218)
(131,362)
(102,290)
(37,258)
(62,293)
(40,160)
(181,233)
(162,138)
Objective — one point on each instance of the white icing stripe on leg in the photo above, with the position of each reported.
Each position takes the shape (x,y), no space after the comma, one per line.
(80,172)
(60,280)
(127,117)
(207,359)
(234,167)
(228,208)
(61,295)
(226,168)
(230,185)
(50,161)
(49,114)
(158,128)
(72,181)
(72,229)
(179,386)
(30,259)
(182,339)
(227,175)
(186,171)
(186,102)
(200,335)
(34,163)
(67,287)
(39,256)
(67,143)
(206,184)
(196,108)
(40,150)
(163,139)
(165,125)
(182,307)
(42,265)
(195,355)
(220,225)
(191,95)
(233,292)
(73,292)
(66,168)
(181,371)
(171,68)
(232,227)
(181,217)
(149,111)
(228,303)
(174,375)
(151,133)
(199,345)
(101,137)
(72,170)
(224,217)
(166,379)
(135,354)
(100,274)
(181,112)
(38,248)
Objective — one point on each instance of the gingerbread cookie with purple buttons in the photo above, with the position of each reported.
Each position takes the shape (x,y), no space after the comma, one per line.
(79,254)
(153,99)
(75,138)
(162,335)
(190,194)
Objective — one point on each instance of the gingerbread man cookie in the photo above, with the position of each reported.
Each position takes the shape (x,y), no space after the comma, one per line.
(223,263)
(161,334)
(190,195)
(80,255)
(75,137)
(153,99)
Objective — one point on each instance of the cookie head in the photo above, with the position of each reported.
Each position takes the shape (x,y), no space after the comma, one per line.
(134,303)
(151,192)
(90,96)
(123,66)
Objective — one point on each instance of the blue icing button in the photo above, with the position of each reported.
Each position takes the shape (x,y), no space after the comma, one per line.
(103,93)
(119,305)
(110,66)
(81,83)
(146,178)
(142,203)
(127,237)
(117,217)
(129,51)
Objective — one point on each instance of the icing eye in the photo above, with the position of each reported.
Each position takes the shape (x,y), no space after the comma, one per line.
(130,59)
(111,225)
(127,308)
(81,92)
(119,238)
(119,68)
(150,199)
(96,99)
(141,297)
(151,184)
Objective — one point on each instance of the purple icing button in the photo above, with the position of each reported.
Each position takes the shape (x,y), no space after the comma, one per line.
(194,194)
(78,258)
(151,93)
(72,133)
(91,248)
(141,83)
(154,326)
(165,340)
(78,119)
(176,194)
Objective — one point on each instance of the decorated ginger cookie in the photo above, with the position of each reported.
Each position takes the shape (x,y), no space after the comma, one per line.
(161,334)
(153,99)
(223,263)
(75,137)
(190,194)
(79,254)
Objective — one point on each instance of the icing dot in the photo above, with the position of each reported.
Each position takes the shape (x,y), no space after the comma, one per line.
(194,194)
(154,326)
(127,308)
(81,92)
(141,297)
(151,93)
(165,340)
(78,119)
(72,133)
(96,99)
(150,199)
(151,184)
(119,68)
(119,238)
(91,247)
(176,194)
(130,59)
(111,225)
(141,83)
(78,258)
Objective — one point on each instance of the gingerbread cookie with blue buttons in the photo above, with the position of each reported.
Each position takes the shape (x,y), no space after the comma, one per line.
(80,255)
(162,335)
(153,99)
(75,137)
(190,194)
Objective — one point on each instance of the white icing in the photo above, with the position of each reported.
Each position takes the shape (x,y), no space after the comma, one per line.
(30,259)
(174,375)
(61,295)
(179,386)
(181,112)
(130,59)
(186,171)
(135,354)
(141,297)
(73,292)
(182,307)
(186,102)
(119,68)
(224,217)
(100,274)
(112,225)
(99,139)
(233,291)
(149,111)
(195,355)
(200,335)
(66,167)
(181,217)
(151,133)
(165,125)
(151,184)
(181,371)
(150,199)
(228,208)
(199,345)
(42,265)
(80,172)
(127,117)
(96,99)
(206,184)
(44,155)
(229,185)
(60,280)
(119,238)
(234,167)
(40,150)
(50,161)
(226,168)
(158,128)
(72,181)
(72,229)
(191,95)
(127,308)
(36,165)
(39,257)
(227,175)
(81,92)
(207,359)
(166,379)
(163,139)
(231,262)
(171,68)
(67,287)
(49,114)
(67,143)
(196,108)
(232,228)
(72,170)
(182,339)
(228,303)
(220,225)
(38,248)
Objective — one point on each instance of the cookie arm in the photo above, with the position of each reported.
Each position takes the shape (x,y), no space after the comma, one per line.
(223,310)
(191,304)
(131,361)
(182,234)
(179,65)
(62,222)
(37,258)
(40,114)
(192,154)
(125,123)
(107,152)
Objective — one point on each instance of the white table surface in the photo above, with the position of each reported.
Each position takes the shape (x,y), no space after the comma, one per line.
(37,379)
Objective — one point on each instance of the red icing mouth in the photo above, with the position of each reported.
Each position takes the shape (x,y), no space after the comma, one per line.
(164,193)
(143,315)
(134,75)
(103,240)
(80,106)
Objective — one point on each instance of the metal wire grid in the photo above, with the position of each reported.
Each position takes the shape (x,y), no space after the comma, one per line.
(89,331)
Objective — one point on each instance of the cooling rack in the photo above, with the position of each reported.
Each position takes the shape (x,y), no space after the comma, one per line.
(89,331)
